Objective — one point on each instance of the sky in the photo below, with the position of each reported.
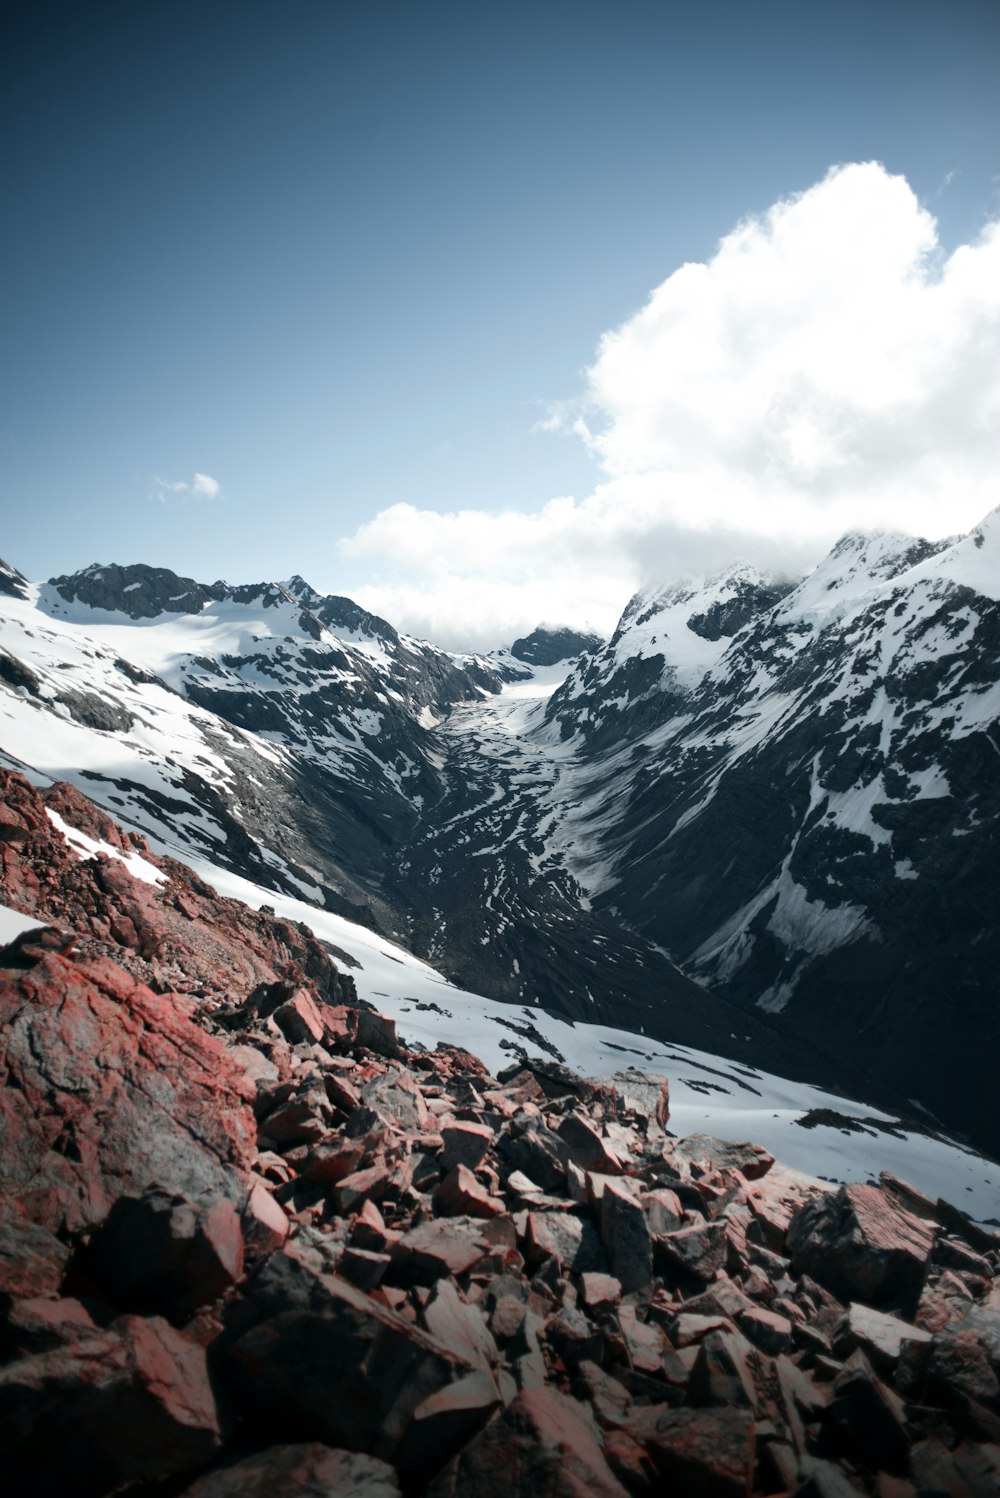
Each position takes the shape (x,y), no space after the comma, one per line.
(485,314)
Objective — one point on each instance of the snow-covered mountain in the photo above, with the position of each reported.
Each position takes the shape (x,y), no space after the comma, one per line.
(760,821)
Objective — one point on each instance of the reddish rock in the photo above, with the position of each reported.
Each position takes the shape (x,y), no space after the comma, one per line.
(299,1019)
(460,1326)
(697,1453)
(698,1252)
(304,1471)
(749,1159)
(461,1194)
(165,1254)
(600,1291)
(767,1330)
(567,1237)
(129,1402)
(539,1447)
(32,1260)
(434,1249)
(869,1417)
(861,1246)
(465,1143)
(111,1090)
(265,1222)
(330,1361)
(626,1236)
(39,1325)
(664,1210)
(880,1336)
(362,1186)
(585,1147)
(445,1421)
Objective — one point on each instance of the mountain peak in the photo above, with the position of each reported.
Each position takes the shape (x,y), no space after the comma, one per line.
(548,644)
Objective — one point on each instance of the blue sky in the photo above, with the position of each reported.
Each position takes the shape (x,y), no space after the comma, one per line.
(340,258)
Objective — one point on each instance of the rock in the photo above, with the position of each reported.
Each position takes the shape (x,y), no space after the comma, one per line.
(465,1143)
(164,1254)
(644,1341)
(750,1159)
(299,1019)
(40,1324)
(539,1447)
(767,1330)
(965,1472)
(265,1222)
(626,1237)
(377,1033)
(364,1267)
(881,1337)
(536,1153)
(721,1374)
(397,1097)
(32,1260)
(568,1237)
(461,1194)
(664,1210)
(460,1326)
(446,1421)
(309,1470)
(600,1291)
(433,1250)
(956,1360)
(129,1402)
(336,1364)
(362,1186)
(698,1453)
(869,1418)
(861,1246)
(585,1147)
(573,1340)
(131,1091)
(698,1252)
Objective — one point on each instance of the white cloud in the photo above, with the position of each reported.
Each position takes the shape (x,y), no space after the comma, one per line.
(202,486)
(828,368)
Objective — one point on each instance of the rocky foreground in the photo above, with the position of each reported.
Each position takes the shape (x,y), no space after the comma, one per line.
(253,1244)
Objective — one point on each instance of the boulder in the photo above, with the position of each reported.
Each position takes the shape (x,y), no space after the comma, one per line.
(116,1405)
(626,1236)
(309,1470)
(334,1364)
(697,1453)
(165,1254)
(539,1447)
(112,1089)
(32,1260)
(465,1143)
(861,1246)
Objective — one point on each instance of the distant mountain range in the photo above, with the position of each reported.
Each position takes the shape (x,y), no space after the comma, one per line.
(761,819)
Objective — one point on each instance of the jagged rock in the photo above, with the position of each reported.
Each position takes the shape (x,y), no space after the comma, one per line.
(465,1143)
(39,1324)
(537,1152)
(750,1159)
(869,1417)
(721,1374)
(397,1097)
(771,1332)
(461,1194)
(265,1222)
(569,1238)
(460,1326)
(335,1363)
(701,1453)
(600,1291)
(626,1237)
(881,1337)
(585,1147)
(299,1019)
(539,1447)
(447,1420)
(957,1360)
(145,1096)
(572,1338)
(165,1254)
(32,1260)
(698,1251)
(664,1210)
(132,1401)
(861,1246)
(966,1472)
(310,1470)
(434,1249)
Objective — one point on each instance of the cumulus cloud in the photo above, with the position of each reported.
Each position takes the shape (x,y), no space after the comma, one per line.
(830,367)
(201,486)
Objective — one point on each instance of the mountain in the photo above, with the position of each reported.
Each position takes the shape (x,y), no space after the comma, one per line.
(760,820)
(254,1240)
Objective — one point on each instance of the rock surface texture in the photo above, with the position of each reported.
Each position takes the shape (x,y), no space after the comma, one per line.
(243,1253)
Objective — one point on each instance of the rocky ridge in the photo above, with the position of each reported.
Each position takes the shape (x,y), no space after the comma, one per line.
(253,1242)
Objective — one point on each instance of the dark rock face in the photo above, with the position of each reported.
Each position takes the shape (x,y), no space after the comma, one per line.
(139,591)
(309,1308)
(12,583)
(547,647)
